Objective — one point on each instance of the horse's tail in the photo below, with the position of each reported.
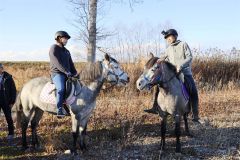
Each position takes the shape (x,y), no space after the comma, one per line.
(19,110)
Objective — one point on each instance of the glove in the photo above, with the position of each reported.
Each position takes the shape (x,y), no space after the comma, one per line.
(69,74)
(179,69)
(76,76)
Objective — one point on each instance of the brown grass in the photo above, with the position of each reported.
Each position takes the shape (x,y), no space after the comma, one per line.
(119,129)
(216,72)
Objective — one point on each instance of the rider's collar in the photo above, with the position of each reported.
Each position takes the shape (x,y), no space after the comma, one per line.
(175,43)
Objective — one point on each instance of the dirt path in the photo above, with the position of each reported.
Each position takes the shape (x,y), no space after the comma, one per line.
(118,134)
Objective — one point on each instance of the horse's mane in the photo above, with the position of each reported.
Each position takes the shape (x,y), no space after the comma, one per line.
(91,71)
(153,60)
(114,60)
(171,66)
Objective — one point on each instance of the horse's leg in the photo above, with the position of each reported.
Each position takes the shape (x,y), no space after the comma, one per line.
(163,132)
(24,125)
(83,132)
(75,136)
(186,124)
(34,123)
(75,132)
(178,132)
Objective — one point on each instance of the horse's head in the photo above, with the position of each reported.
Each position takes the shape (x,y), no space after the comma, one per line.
(150,74)
(113,72)
(155,72)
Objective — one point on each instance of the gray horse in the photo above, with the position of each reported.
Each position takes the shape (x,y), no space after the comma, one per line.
(30,108)
(170,98)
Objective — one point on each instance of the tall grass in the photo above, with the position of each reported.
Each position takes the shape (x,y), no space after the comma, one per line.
(210,73)
(119,120)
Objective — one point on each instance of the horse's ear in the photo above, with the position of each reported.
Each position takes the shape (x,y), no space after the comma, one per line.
(150,55)
(107,57)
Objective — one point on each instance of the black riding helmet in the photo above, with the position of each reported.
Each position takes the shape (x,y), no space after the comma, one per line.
(170,32)
(61,34)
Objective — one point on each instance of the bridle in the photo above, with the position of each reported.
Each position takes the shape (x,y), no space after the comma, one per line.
(73,80)
(159,82)
(111,72)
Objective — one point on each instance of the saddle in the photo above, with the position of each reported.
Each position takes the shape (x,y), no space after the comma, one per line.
(186,89)
(69,88)
(48,93)
(186,86)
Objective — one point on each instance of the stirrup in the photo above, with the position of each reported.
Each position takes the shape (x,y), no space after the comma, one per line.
(60,114)
(153,111)
(198,121)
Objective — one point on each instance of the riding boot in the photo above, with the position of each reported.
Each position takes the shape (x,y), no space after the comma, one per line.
(154,109)
(10,139)
(194,101)
(60,113)
(66,108)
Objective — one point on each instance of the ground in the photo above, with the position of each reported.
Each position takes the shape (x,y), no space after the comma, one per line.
(119,129)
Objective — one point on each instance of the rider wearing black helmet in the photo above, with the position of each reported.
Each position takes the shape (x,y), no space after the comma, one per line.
(170,32)
(179,54)
(61,66)
(60,34)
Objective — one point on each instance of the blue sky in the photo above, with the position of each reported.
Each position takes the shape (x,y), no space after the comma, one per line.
(27,27)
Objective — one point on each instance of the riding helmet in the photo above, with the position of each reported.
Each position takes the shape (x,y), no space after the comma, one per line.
(62,34)
(170,32)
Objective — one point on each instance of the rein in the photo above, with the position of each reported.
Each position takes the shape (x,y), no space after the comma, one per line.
(113,83)
(163,82)
(72,80)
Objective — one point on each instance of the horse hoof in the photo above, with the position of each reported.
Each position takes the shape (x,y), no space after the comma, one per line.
(67,151)
(83,148)
(162,146)
(24,148)
(189,135)
(178,154)
(72,151)
(37,148)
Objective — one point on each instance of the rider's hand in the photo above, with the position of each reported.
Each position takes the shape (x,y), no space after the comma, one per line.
(178,69)
(69,74)
(11,105)
(76,76)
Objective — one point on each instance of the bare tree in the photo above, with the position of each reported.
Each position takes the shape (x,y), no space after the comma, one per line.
(92,30)
(87,12)
(133,43)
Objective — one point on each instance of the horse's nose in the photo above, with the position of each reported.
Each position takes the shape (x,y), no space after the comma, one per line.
(139,84)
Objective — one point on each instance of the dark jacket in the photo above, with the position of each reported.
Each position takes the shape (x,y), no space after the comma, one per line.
(61,60)
(8,89)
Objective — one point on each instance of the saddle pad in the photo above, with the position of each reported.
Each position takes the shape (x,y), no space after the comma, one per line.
(184,91)
(47,94)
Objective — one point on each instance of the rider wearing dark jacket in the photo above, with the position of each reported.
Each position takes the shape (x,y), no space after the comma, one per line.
(60,60)
(7,98)
(179,54)
(61,66)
